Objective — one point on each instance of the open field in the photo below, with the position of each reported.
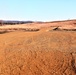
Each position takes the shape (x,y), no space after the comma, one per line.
(45,52)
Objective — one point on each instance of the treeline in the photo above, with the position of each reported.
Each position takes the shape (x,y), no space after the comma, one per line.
(14,22)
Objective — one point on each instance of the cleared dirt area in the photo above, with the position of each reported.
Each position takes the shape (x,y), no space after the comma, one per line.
(38,53)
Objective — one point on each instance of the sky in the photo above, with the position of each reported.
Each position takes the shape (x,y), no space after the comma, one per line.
(37,10)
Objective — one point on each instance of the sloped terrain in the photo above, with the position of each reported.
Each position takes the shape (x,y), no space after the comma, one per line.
(38,53)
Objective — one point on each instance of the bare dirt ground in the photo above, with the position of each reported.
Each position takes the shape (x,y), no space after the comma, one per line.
(38,53)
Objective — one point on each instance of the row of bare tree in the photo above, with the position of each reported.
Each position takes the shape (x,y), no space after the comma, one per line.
(13,22)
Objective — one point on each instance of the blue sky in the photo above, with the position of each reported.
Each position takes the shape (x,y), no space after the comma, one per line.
(37,10)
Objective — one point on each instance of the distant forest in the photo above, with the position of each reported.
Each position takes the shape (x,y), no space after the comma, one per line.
(2,22)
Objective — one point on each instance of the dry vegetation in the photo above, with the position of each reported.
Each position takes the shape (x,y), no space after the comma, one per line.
(38,53)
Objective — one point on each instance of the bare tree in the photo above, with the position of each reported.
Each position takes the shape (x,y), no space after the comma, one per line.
(1,22)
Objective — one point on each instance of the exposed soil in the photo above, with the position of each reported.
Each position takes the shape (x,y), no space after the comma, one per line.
(38,53)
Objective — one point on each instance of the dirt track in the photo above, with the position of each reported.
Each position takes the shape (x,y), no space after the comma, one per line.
(39,53)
